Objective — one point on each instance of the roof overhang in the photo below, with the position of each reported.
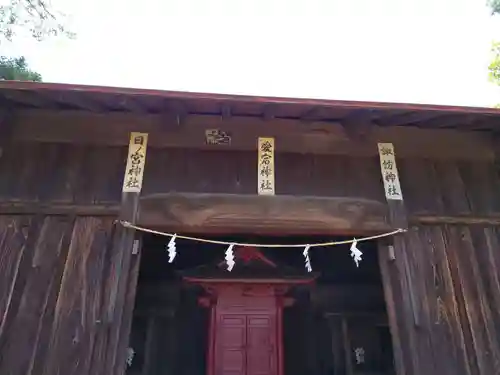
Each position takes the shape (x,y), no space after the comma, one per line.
(96,99)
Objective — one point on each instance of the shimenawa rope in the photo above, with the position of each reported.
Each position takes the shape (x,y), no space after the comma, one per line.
(127,224)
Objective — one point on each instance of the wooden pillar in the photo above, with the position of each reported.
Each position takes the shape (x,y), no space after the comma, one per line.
(125,259)
(403,306)
(385,258)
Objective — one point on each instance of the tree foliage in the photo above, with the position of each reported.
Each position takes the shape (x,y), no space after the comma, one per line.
(35,16)
(495,6)
(16,69)
(494,67)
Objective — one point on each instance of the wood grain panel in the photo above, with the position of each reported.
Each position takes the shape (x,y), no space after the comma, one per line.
(456,283)
(27,329)
(53,294)
(85,175)
(291,135)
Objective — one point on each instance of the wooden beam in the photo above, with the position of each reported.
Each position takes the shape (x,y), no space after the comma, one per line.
(454,220)
(58,209)
(32,99)
(262,214)
(407,118)
(114,129)
(226,111)
(86,102)
(178,110)
(311,115)
(131,104)
(444,121)
(358,125)
(268,112)
(113,210)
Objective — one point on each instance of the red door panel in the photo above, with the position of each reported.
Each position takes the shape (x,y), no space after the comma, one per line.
(230,345)
(261,345)
(245,340)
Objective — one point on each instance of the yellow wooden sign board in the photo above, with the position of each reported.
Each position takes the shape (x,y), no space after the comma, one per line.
(136,161)
(265,167)
(389,170)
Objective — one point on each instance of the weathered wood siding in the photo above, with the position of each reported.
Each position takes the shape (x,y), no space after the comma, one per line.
(452,326)
(85,175)
(54,289)
(55,270)
(63,174)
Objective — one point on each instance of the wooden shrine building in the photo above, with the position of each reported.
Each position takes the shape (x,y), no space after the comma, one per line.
(94,181)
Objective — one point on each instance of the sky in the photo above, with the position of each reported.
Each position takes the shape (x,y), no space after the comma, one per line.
(418,51)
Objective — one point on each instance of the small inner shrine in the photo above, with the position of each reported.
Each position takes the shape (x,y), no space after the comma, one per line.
(246,311)
(267,316)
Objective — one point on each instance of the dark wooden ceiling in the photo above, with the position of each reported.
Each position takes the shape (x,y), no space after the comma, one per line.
(29,95)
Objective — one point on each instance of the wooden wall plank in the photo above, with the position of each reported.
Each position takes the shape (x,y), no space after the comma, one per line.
(481,284)
(24,242)
(11,243)
(461,246)
(106,237)
(26,331)
(45,325)
(452,187)
(481,183)
(448,334)
(54,294)
(92,175)
(419,183)
(455,275)
(77,310)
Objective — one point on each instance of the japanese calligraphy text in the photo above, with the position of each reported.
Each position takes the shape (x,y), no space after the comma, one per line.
(136,161)
(389,170)
(265,165)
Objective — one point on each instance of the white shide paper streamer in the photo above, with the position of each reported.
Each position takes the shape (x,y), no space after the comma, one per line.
(172,252)
(230,258)
(307,260)
(356,253)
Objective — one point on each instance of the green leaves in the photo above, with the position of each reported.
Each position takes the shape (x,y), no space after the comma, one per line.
(17,69)
(494,67)
(495,6)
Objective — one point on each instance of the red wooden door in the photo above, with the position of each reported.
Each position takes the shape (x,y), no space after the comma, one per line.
(246,343)
(261,345)
(230,341)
